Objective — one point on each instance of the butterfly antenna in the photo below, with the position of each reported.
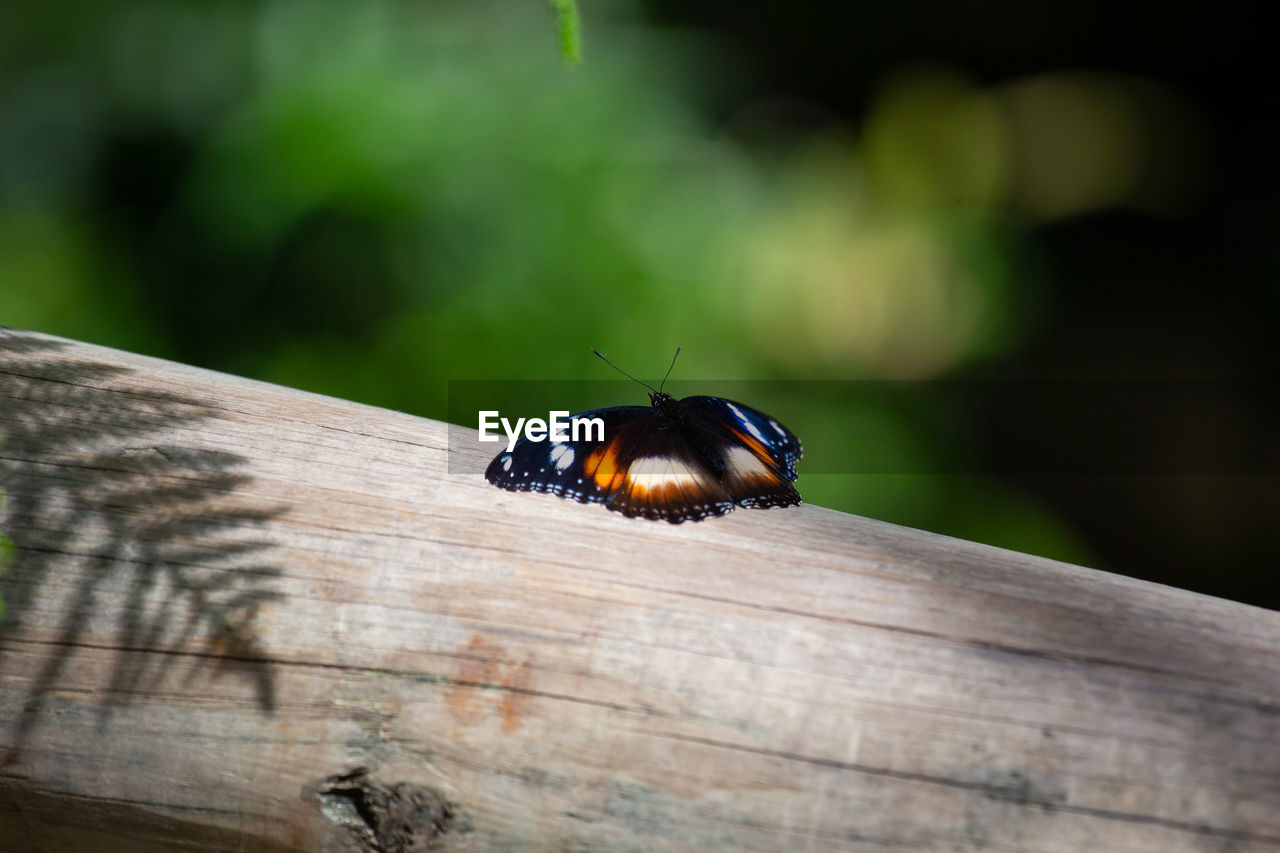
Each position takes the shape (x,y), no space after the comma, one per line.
(669,369)
(623,372)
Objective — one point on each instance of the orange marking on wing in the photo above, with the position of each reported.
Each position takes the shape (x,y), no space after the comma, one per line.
(645,492)
(593,461)
(745,466)
(666,494)
(756,447)
(607,467)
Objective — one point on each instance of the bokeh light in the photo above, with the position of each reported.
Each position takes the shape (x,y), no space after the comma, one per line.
(368,200)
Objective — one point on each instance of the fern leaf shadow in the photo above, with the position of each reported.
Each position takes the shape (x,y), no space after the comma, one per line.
(105,494)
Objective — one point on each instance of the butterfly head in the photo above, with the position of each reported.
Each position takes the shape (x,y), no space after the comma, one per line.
(662,402)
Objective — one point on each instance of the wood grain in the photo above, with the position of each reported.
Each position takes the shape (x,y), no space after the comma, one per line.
(244,617)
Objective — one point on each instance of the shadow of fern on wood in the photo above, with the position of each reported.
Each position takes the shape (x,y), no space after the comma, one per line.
(131,539)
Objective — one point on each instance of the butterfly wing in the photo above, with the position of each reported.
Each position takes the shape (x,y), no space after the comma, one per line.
(754,455)
(643,467)
(561,468)
(664,478)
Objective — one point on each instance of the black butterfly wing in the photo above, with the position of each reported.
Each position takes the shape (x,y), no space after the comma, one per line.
(753,453)
(643,467)
(560,468)
(664,478)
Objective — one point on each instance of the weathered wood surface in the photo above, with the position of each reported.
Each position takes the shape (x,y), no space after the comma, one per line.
(247,618)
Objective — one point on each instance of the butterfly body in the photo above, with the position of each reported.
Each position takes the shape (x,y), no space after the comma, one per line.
(674,460)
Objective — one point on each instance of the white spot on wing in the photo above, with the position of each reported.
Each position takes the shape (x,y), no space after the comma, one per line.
(777,428)
(746,422)
(562,455)
(744,463)
(653,472)
(506,462)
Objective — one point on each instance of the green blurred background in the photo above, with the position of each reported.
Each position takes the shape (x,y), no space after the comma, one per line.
(368,199)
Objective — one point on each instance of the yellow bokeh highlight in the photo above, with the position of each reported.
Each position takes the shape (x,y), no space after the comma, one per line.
(933,140)
(1087,142)
(882,253)
(881,296)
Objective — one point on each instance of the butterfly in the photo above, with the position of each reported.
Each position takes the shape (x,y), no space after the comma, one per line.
(674,460)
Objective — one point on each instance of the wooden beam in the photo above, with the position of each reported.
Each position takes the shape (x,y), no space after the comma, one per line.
(243,617)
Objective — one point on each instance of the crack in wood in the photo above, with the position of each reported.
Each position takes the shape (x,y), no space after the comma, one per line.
(1017,792)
